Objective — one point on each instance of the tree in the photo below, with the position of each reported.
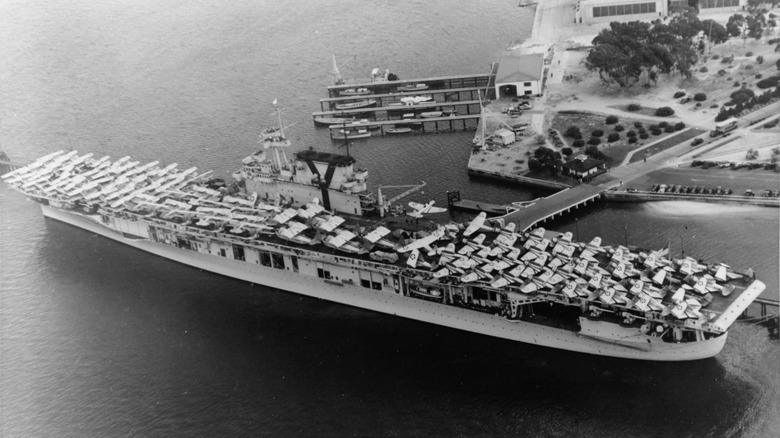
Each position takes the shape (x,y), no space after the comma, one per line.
(635,52)
(611,63)
(734,25)
(547,158)
(716,33)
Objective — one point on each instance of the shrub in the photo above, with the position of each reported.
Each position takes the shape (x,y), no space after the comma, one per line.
(679,94)
(748,67)
(716,56)
(594,152)
(698,104)
(631,133)
(597,133)
(721,72)
(632,140)
(611,120)
(769,82)
(699,97)
(679,126)
(644,135)
(579,143)
(656,132)
(714,105)
(567,151)
(578,136)
(634,107)
(737,84)
(594,141)
(759,76)
(760,59)
(637,124)
(613,137)
(663,124)
(669,128)
(619,128)
(703,70)
(748,54)
(664,111)
(571,131)
(742,95)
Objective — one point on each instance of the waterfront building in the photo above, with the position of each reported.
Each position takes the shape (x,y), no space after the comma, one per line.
(583,166)
(520,75)
(597,11)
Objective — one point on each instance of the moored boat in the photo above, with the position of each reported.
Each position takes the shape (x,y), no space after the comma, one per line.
(359,104)
(328,121)
(412,87)
(355,92)
(397,130)
(350,134)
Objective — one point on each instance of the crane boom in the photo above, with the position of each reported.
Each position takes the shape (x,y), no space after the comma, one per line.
(384,205)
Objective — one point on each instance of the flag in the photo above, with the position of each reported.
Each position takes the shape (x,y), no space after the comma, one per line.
(274,101)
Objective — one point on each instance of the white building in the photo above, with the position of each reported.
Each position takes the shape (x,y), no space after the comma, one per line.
(598,11)
(717,5)
(520,75)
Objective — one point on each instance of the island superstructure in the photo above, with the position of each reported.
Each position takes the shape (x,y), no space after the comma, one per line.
(305,226)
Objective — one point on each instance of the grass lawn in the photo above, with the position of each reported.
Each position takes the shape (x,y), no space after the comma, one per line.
(672,140)
(588,122)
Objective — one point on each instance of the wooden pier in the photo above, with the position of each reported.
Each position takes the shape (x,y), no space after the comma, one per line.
(435,84)
(395,112)
(455,202)
(553,206)
(443,97)
(419,126)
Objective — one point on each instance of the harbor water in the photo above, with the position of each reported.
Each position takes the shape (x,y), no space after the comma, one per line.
(98,339)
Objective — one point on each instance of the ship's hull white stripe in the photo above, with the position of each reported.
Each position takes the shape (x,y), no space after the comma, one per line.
(635,346)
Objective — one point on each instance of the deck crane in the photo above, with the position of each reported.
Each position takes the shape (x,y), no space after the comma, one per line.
(384,205)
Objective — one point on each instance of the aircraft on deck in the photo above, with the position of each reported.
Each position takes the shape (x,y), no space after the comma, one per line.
(422,209)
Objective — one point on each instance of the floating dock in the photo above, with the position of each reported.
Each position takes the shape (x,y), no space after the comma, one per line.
(483,81)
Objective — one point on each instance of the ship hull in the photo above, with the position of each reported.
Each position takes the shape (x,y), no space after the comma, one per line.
(599,338)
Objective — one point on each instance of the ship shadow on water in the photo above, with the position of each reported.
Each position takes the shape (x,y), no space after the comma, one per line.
(180,330)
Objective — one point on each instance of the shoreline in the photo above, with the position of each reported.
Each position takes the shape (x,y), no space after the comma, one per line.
(508,162)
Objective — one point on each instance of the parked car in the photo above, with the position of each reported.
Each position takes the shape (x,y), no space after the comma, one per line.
(697,141)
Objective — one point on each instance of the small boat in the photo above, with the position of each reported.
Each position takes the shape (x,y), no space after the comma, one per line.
(355,92)
(412,87)
(332,121)
(362,123)
(429,114)
(397,130)
(350,134)
(358,104)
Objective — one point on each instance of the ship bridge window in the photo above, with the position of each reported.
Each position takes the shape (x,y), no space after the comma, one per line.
(238,252)
(278,261)
(322,273)
(183,243)
(294,260)
(376,285)
(365,283)
(265,258)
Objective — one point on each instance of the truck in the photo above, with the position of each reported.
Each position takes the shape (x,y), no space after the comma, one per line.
(724,127)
